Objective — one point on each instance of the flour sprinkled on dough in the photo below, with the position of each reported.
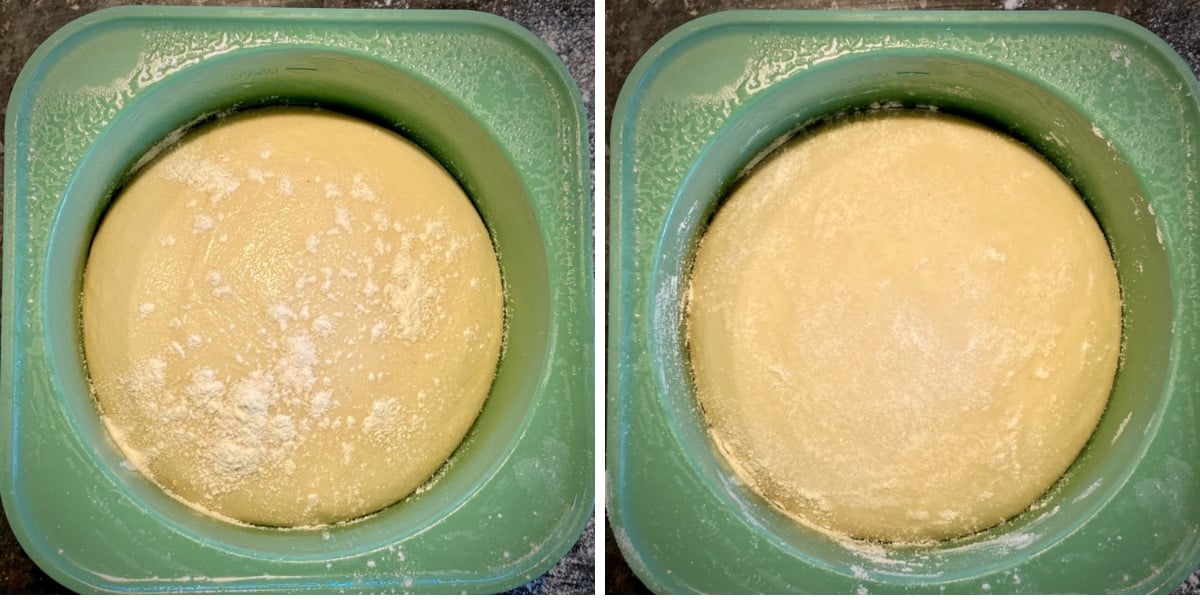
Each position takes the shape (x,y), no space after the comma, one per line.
(903,327)
(265,361)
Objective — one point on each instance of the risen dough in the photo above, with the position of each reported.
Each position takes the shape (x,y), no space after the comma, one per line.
(903,327)
(291,318)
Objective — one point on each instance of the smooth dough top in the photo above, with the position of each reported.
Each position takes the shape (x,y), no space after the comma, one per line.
(903,327)
(291,318)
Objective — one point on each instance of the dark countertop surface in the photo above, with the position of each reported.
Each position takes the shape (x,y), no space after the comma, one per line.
(567,26)
(632,26)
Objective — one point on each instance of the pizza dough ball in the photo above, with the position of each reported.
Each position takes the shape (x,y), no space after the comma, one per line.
(903,327)
(291,318)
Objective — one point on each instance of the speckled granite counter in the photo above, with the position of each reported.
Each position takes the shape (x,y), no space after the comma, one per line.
(567,27)
(632,26)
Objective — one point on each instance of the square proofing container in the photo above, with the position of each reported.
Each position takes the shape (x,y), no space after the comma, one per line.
(483,96)
(1107,102)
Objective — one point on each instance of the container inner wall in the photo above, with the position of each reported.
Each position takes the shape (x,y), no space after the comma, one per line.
(1009,103)
(362,87)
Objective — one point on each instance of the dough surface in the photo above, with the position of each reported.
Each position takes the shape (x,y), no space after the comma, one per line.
(291,318)
(903,327)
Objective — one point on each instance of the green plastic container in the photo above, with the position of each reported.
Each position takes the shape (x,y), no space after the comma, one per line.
(1110,104)
(483,96)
